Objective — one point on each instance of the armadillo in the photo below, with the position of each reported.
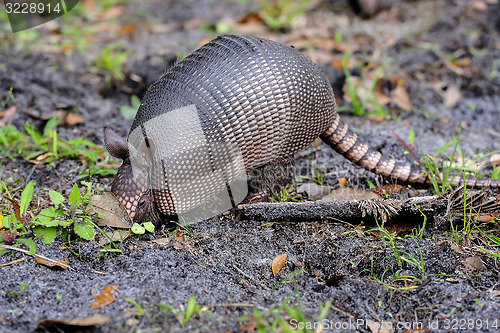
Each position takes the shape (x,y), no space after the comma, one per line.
(241,101)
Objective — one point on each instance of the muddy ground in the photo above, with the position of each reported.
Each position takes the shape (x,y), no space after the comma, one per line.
(445,57)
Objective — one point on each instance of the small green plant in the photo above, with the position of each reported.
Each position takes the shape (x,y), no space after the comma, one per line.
(279,14)
(64,216)
(441,177)
(74,37)
(318,175)
(399,257)
(286,318)
(140,229)
(362,107)
(47,147)
(111,60)
(10,98)
(140,310)
(23,287)
(184,313)
(287,193)
(129,111)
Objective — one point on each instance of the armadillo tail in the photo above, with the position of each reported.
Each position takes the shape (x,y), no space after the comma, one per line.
(342,140)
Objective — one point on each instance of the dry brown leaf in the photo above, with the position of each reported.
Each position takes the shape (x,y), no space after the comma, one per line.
(278,263)
(495,160)
(95,319)
(475,262)
(105,297)
(7,114)
(52,262)
(350,194)
(17,210)
(381,96)
(161,28)
(389,189)
(480,6)
(162,241)
(248,327)
(43,156)
(179,236)
(127,29)
(330,44)
(378,118)
(111,13)
(453,96)
(401,98)
(73,119)
(462,62)
(486,218)
(113,213)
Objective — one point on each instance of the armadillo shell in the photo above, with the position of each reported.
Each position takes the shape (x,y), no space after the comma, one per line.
(232,105)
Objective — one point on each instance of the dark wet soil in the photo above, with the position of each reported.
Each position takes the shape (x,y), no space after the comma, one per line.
(225,262)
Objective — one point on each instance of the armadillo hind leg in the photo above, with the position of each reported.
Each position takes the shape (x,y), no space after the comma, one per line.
(268,180)
(342,140)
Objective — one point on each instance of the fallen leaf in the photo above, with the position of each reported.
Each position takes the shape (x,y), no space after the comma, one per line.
(486,218)
(73,119)
(105,297)
(7,114)
(462,62)
(378,118)
(401,98)
(495,160)
(480,6)
(17,210)
(127,29)
(475,262)
(52,262)
(278,263)
(111,13)
(389,189)
(160,28)
(132,322)
(248,327)
(95,319)
(179,236)
(111,211)
(453,96)
(43,156)
(350,194)
(162,241)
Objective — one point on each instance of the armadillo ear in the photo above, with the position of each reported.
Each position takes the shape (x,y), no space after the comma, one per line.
(115,144)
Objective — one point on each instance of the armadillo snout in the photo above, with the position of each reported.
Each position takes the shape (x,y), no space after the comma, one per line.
(129,187)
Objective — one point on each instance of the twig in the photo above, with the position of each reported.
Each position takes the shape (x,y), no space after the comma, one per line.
(41,256)
(250,277)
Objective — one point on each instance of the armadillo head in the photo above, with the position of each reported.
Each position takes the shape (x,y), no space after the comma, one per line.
(131,185)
